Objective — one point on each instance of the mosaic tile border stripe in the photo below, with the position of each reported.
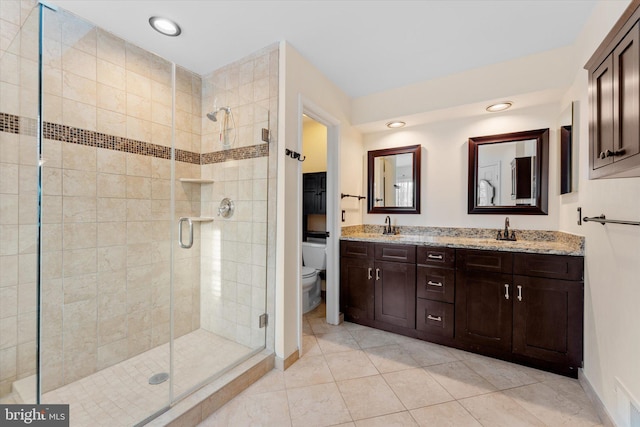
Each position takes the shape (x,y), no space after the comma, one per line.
(9,123)
(240,153)
(26,126)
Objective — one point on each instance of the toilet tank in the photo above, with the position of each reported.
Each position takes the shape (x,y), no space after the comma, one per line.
(314,255)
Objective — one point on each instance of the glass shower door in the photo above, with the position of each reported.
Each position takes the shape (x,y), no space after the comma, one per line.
(106,224)
(130,322)
(18,203)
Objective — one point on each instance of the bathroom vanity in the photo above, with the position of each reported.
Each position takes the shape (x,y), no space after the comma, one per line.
(518,301)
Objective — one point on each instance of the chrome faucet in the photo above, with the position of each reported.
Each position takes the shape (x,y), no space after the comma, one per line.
(506,235)
(387,226)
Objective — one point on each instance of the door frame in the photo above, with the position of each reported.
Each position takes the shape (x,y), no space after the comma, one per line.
(308,107)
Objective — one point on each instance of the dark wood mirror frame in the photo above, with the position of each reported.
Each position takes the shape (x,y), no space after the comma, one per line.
(565,159)
(371,156)
(542,173)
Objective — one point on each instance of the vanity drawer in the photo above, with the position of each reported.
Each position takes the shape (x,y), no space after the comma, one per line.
(479,260)
(437,257)
(434,317)
(436,283)
(549,266)
(395,253)
(355,249)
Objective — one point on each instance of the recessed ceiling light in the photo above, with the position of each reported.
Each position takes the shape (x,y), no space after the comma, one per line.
(500,106)
(395,124)
(165,26)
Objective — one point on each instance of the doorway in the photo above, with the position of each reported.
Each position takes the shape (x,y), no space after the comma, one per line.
(315,116)
(314,213)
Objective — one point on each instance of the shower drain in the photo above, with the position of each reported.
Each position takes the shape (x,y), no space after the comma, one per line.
(158,378)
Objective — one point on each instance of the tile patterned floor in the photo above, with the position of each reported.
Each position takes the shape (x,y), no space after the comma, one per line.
(350,375)
(121,395)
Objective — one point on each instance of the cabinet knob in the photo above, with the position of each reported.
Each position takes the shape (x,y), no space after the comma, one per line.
(377,274)
(370,273)
(506,291)
(431,256)
(436,318)
(519,293)
(430,283)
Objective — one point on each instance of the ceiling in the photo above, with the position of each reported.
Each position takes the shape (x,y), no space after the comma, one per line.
(364,47)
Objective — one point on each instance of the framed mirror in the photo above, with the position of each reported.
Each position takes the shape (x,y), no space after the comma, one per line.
(393,176)
(508,173)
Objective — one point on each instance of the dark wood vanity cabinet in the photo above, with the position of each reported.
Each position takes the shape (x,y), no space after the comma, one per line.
(435,292)
(378,284)
(529,311)
(548,311)
(483,300)
(356,281)
(614,97)
(521,307)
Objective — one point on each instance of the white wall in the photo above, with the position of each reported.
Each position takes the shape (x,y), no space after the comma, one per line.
(298,78)
(612,267)
(445,161)
(314,146)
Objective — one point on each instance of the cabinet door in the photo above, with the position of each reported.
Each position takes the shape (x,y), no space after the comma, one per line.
(309,194)
(484,310)
(395,293)
(521,178)
(547,320)
(626,94)
(322,193)
(356,289)
(601,125)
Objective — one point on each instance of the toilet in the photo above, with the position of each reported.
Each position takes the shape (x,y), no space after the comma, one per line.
(314,260)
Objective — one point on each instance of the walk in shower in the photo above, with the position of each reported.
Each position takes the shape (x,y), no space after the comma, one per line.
(104,148)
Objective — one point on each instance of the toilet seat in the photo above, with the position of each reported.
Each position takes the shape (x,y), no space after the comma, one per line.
(308,272)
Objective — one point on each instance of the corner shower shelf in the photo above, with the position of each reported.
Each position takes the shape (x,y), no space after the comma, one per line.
(196,180)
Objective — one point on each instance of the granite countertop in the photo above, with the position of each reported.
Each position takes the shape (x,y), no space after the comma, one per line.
(531,241)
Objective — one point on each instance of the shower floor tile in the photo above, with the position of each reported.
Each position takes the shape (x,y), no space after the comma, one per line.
(121,394)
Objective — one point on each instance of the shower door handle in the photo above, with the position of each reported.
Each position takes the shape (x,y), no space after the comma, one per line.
(190,243)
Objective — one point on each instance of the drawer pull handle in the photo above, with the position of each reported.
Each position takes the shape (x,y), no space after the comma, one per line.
(370,273)
(436,318)
(519,293)
(431,256)
(506,291)
(430,283)
(377,274)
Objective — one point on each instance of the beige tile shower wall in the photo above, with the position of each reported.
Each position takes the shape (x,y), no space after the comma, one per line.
(106,214)
(237,251)
(18,189)
(250,89)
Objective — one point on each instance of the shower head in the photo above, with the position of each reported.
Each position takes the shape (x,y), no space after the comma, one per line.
(213,115)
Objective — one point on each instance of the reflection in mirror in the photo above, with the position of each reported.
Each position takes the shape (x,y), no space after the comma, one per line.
(508,173)
(566,151)
(394,180)
(393,183)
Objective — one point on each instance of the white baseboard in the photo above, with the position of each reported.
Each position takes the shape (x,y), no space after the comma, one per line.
(601,410)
